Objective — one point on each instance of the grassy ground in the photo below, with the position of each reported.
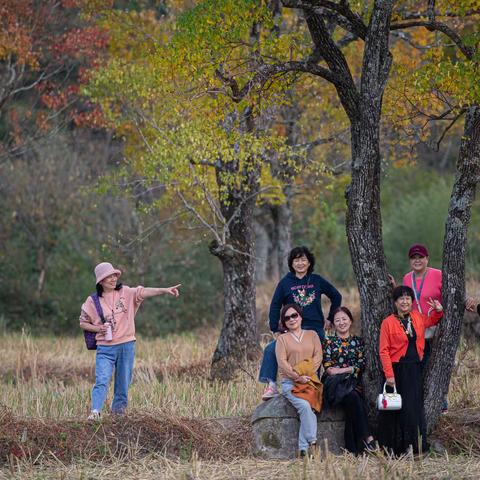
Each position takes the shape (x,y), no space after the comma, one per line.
(169,432)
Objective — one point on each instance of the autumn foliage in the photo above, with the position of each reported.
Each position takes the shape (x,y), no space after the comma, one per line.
(47,49)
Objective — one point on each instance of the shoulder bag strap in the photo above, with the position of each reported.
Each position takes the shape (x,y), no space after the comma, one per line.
(96,301)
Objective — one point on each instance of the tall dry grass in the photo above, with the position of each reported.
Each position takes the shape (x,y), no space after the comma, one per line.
(344,467)
(51,378)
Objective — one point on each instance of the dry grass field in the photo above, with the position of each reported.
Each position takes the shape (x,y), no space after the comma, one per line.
(180,425)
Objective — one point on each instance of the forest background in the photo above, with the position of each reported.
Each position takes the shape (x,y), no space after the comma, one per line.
(72,193)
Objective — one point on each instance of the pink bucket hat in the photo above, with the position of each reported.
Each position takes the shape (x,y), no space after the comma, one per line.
(103,270)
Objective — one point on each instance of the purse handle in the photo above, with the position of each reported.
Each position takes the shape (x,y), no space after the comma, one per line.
(385,389)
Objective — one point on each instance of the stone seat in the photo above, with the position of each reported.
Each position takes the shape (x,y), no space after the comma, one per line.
(275,425)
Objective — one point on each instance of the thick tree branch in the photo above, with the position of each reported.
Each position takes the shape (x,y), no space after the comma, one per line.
(266,72)
(229,81)
(333,56)
(319,7)
(377,58)
(436,26)
(418,15)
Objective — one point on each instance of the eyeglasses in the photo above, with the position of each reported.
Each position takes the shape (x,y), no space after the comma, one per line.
(293,316)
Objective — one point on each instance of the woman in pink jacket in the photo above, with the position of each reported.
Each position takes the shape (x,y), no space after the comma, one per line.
(115,336)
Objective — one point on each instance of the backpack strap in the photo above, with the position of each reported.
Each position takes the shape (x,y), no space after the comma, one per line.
(96,301)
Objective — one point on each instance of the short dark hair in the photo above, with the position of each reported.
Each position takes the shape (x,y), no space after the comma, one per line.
(402,290)
(344,310)
(298,252)
(283,311)
(100,288)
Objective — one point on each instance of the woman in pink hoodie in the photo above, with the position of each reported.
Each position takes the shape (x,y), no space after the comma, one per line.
(110,313)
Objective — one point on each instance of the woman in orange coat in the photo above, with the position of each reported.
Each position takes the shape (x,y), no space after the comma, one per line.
(402,343)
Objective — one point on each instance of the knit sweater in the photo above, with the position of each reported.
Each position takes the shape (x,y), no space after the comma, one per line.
(290,351)
(394,340)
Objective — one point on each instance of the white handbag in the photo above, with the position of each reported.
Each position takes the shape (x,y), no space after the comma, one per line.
(389,401)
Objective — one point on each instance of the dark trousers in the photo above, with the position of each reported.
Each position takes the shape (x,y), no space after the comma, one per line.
(356,422)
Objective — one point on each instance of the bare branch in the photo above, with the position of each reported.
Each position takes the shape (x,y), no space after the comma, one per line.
(144,139)
(200,218)
(320,141)
(211,201)
(152,123)
(151,229)
(406,38)
(448,127)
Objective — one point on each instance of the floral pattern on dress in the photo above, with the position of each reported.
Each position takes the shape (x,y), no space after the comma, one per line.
(344,352)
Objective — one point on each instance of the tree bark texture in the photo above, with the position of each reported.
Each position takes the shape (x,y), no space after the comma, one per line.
(364,222)
(238,342)
(445,344)
(363,106)
(364,234)
(364,225)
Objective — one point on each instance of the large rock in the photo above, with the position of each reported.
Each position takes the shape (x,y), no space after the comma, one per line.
(275,429)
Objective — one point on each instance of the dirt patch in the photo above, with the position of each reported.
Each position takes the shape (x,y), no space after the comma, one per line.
(129,436)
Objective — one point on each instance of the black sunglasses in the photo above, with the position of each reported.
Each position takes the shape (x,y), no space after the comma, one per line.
(293,316)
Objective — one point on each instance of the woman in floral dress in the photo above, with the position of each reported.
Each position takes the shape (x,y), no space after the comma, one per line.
(344,362)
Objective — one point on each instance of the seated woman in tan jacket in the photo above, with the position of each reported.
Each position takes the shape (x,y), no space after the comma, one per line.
(293,347)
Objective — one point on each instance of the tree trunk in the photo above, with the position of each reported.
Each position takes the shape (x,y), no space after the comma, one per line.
(282,218)
(363,222)
(273,234)
(267,243)
(264,249)
(238,343)
(364,233)
(445,344)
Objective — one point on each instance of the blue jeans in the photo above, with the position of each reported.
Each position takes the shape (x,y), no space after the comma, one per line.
(308,419)
(269,365)
(121,358)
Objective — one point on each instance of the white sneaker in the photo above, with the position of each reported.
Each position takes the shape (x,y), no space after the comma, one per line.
(94,415)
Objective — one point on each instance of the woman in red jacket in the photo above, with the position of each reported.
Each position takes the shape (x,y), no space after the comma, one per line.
(402,342)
